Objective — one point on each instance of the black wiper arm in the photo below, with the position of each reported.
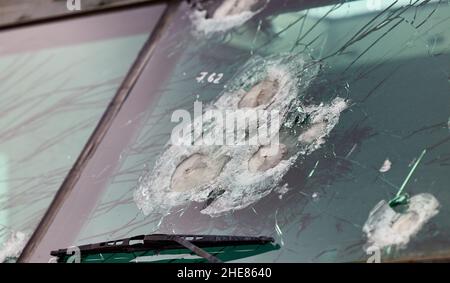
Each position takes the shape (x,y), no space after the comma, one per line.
(160,242)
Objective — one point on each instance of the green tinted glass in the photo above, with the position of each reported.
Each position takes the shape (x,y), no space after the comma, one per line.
(370,84)
(56,81)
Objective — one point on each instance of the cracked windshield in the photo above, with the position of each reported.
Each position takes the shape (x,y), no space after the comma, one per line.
(350,145)
(322,124)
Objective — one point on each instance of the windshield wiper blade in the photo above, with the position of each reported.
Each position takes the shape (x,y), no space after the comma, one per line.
(160,242)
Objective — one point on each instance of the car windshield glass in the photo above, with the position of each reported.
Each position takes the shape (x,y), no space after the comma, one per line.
(361,90)
(56,80)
